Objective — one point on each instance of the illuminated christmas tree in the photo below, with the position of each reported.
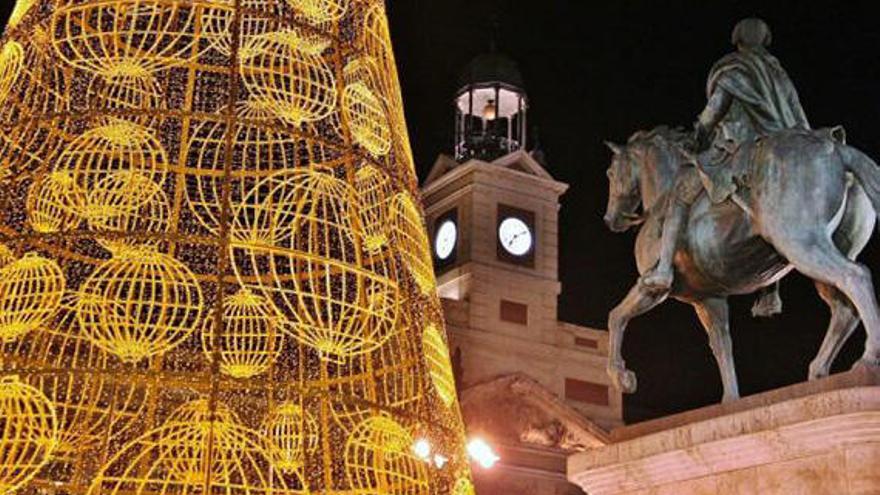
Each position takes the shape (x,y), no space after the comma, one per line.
(214,269)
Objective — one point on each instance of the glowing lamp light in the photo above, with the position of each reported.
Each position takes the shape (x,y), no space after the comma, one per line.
(481,453)
(422,449)
(215,271)
(490,111)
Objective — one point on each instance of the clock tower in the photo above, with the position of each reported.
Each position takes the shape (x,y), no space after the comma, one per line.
(493,215)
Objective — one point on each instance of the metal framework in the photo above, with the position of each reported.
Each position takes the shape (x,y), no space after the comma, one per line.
(215,275)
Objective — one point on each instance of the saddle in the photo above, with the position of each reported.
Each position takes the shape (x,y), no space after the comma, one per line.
(727,167)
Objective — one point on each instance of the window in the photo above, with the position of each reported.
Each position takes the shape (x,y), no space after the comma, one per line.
(586,392)
(514,312)
(588,343)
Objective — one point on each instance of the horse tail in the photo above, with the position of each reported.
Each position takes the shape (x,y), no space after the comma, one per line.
(866,170)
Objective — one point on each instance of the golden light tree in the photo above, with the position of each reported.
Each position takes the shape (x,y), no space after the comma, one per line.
(215,274)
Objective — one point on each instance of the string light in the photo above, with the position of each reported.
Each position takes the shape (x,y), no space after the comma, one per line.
(293,434)
(439,364)
(249,341)
(379,459)
(283,60)
(22,7)
(214,273)
(30,433)
(341,302)
(30,292)
(88,405)
(139,304)
(410,232)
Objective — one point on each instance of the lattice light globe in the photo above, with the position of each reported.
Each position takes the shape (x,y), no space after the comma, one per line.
(334,296)
(30,292)
(129,38)
(139,304)
(215,275)
(379,459)
(91,407)
(374,188)
(30,433)
(250,339)
(259,150)
(293,434)
(287,71)
(439,364)
(411,234)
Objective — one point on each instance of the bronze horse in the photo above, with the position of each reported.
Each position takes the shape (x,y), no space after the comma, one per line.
(809,204)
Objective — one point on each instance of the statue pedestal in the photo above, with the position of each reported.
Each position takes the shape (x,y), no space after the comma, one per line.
(814,438)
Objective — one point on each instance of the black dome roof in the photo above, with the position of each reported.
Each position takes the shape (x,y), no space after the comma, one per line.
(491,68)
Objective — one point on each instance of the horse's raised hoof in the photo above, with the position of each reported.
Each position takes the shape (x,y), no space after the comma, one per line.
(768,305)
(623,379)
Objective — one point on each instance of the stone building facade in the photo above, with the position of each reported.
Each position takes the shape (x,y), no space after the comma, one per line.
(534,386)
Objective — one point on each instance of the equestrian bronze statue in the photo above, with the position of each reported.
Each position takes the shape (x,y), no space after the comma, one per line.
(731,210)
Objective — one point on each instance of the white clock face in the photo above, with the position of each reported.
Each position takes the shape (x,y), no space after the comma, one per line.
(447,236)
(515,236)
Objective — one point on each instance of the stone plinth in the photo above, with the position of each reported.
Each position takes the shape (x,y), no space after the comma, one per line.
(814,438)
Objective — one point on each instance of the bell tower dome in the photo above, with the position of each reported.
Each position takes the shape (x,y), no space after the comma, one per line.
(490,108)
(492,212)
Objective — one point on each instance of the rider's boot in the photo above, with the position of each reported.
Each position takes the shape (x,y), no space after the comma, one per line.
(659,278)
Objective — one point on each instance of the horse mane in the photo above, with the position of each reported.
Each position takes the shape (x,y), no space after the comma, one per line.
(672,135)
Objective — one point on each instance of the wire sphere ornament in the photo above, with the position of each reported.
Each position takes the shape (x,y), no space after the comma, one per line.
(364,110)
(259,150)
(292,433)
(129,38)
(375,190)
(319,12)
(131,208)
(391,377)
(31,289)
(253,21)
(11,61)
(214,270)
(376,41)
(134,96)
(439,364)
(21,9)
(52,203)
(464,487)
(249,342)
(287,71)
(6,255)
(379,459)
(30,433)
(116,146)
(139,304)
(306,257)
(33,132)
(202,411)
(89,401)
(180,458)
(412,237)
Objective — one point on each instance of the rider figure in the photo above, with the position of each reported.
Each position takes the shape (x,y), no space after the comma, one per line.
(750,96)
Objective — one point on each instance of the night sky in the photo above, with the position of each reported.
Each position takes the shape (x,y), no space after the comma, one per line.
(598,70)
(603,69)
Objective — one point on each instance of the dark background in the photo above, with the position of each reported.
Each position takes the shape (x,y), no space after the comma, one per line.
(599,70)
(602,70)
